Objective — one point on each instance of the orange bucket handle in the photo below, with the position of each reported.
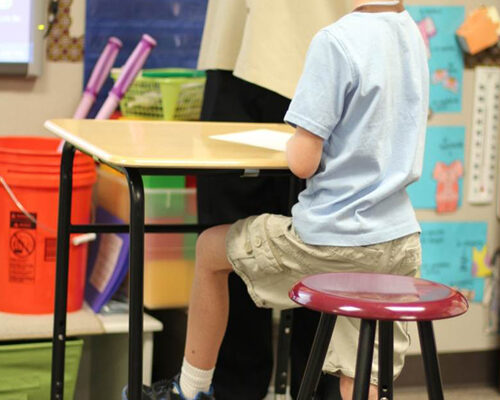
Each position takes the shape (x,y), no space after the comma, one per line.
(77,240)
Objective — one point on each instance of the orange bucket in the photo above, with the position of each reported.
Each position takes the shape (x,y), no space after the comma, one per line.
(30,168)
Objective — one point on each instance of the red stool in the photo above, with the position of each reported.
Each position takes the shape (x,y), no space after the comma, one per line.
(375,297)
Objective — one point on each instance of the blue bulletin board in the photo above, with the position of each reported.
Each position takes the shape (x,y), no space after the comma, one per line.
(441,184)
(177,26)
(438,25)
(454,253)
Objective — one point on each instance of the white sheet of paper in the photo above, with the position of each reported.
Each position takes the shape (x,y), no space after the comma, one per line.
(266,138)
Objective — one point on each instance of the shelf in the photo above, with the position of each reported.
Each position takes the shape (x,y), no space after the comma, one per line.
(80,323)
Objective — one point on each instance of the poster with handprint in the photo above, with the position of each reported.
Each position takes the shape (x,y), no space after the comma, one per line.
(438,24)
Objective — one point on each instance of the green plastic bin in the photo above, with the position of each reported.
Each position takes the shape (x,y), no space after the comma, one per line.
(166,203)
(162,181)
(25,370)
(189,249)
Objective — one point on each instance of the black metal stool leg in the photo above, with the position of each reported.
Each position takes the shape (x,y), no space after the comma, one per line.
(62,260)
(431,362)
(364,359)
(385,359)
(283,352)
(136,260)
(317,356)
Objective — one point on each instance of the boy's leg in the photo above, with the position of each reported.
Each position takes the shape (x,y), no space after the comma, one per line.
(209,303)
(242,372)
(347,389)
(207,320)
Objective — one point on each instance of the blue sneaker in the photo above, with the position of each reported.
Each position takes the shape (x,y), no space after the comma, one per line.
(147,393)
(171,390)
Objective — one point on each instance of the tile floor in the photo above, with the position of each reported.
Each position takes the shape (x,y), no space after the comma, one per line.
(455,393)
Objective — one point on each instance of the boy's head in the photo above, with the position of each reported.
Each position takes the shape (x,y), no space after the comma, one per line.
(357,3)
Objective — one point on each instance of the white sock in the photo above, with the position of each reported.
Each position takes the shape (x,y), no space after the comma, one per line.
(194,380)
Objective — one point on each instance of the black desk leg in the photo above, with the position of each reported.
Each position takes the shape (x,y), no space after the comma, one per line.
(61,295)
(283,352)
(136,262)
(286,316)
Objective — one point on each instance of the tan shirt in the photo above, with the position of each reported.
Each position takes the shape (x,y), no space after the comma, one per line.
(265,41)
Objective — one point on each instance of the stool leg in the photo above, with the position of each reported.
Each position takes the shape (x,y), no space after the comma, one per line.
(317,356)
(364,359)
(385,359)
(431,362)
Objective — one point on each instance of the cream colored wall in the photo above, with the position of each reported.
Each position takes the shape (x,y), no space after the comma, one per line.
(26,103)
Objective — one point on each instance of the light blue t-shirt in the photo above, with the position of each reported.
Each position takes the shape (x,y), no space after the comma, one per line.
(365,91)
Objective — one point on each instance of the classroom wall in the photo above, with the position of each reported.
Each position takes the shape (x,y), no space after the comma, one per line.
(468,332)
(25,104)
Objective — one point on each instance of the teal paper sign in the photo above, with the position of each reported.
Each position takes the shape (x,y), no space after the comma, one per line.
(441,184)
(448,255)
(438,25)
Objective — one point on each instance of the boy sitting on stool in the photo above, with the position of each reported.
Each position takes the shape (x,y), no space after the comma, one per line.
(360,112)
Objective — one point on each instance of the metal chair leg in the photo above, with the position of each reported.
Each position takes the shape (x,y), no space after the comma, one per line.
(385,359)
(364,359)
(62,260)
(317,356)
(431,362)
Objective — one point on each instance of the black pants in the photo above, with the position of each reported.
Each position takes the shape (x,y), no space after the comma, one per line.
(245,362)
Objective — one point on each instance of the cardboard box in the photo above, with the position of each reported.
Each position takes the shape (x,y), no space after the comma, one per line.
(479,31)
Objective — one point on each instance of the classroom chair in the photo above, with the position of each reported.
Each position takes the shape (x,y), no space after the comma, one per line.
(372,298)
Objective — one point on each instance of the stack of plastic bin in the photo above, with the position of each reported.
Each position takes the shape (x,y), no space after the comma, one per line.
(25,370)
(168,257)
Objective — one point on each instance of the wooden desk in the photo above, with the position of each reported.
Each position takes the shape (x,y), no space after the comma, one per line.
(139,148)
(151,144)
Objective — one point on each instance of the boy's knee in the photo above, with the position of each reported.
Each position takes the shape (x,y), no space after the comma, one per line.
(203,239)
(211,249)
(203,244)
(207,242)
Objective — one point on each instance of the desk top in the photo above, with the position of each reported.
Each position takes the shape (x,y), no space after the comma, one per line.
(168,144)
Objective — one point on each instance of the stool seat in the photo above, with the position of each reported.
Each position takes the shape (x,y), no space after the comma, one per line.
(378,297)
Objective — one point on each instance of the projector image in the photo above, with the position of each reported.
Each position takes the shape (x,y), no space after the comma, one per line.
(21,37)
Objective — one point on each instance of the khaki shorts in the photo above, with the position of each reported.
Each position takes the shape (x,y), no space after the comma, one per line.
(268,255)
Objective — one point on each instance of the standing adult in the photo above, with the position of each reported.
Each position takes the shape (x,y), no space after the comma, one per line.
(253,52)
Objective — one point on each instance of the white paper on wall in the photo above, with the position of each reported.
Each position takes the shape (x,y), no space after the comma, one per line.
(483,158)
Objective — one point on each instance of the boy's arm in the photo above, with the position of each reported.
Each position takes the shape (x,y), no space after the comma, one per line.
(318,103)
(303,152)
